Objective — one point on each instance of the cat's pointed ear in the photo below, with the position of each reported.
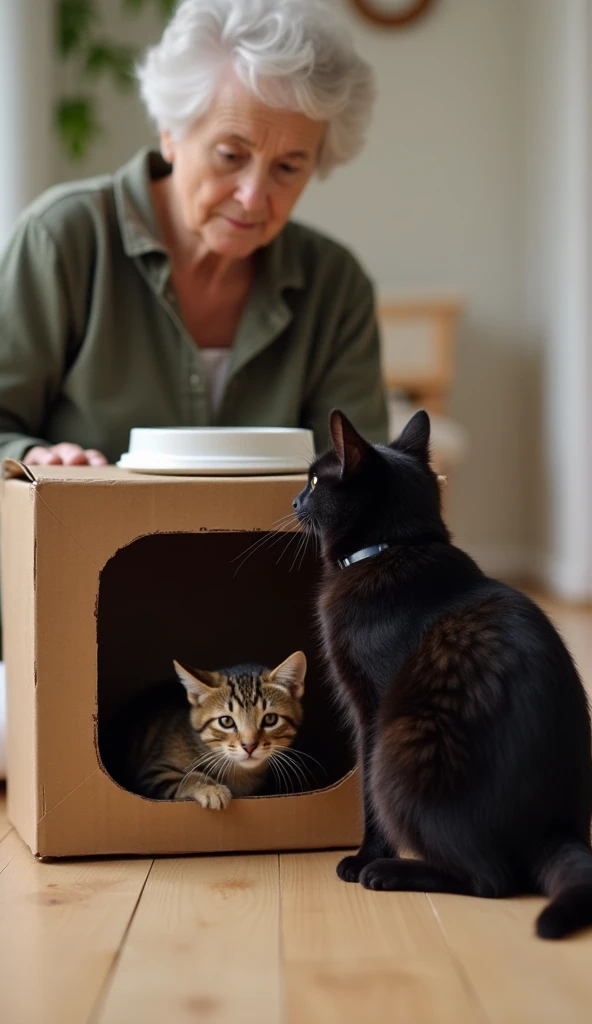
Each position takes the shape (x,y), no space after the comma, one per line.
(350,447)
(415,437)
(290,674)
(197,682)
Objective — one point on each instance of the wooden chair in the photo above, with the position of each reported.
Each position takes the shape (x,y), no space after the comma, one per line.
(418,348)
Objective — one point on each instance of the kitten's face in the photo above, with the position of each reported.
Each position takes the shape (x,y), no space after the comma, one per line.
(248,712)
(360,494)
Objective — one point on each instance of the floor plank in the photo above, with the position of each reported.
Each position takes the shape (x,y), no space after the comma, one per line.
(61,925)
(204,945)
(518,978)
(353,956)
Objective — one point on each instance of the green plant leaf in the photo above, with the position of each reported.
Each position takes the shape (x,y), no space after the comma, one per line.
(116,60)
(74,20)
(167,7)
(77,125)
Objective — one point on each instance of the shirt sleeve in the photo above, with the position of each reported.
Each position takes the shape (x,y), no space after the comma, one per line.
(352,379)
(34,329)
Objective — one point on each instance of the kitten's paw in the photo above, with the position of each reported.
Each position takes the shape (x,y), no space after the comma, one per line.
(213,796)
(383,875)
(350,867)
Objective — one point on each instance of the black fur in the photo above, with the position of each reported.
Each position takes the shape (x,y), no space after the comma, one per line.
(472,723)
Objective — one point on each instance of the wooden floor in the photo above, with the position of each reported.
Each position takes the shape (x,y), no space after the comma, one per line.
(268,940)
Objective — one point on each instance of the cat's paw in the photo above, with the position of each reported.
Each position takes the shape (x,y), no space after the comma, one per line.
(213,796)
(350,867)
(385,874)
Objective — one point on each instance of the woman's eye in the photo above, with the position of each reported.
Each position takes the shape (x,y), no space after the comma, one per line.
(313,482)
(228,156)
(270,720)
(288,169)
(226,722)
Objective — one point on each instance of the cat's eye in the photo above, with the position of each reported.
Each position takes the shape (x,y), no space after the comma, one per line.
(270,720)
(226,722)
(313,482)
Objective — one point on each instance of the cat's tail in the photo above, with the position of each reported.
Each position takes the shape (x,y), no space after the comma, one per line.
(565,875)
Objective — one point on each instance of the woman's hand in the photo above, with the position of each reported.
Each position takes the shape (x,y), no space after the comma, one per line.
(64,454)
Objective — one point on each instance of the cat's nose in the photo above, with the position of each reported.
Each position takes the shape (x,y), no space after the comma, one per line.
(295,504)
(249,747)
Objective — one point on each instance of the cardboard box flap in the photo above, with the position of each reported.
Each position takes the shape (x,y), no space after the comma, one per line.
(15,470)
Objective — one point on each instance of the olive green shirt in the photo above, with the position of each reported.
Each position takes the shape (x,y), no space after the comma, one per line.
(92,342)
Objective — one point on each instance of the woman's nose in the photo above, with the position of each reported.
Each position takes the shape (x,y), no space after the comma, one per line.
(252,192)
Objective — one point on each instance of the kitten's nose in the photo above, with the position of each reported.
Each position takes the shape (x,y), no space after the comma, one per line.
(295,504)
(249,747)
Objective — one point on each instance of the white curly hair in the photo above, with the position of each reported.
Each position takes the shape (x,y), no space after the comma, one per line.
(293,54)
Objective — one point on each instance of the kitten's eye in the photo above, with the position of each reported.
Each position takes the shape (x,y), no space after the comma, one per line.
(313,482)
(270,720)
(226,722)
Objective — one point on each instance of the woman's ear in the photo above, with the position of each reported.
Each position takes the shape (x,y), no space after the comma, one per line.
(167,146)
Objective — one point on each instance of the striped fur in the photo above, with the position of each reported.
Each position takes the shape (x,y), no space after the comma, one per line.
(222,742)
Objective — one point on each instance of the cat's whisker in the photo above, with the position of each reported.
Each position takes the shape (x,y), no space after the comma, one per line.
(299,774)
(274,772)
(301,543)
(292,751)
(286,782)
(272,538)
(290,768)
(292,539)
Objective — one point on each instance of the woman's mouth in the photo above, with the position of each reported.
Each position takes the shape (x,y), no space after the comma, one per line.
(241,225)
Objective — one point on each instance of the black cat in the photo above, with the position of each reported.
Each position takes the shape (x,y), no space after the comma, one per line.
(471,720)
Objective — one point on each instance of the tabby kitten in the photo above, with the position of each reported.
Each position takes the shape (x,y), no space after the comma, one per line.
(471,720)
(223,744)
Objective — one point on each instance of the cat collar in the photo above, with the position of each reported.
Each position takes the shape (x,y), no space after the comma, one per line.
(358,556)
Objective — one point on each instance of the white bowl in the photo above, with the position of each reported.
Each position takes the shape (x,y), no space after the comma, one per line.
(219,451)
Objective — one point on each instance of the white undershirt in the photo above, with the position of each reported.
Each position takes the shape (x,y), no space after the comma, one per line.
(216,362)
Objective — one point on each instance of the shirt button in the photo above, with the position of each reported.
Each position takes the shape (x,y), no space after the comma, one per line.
(194,381)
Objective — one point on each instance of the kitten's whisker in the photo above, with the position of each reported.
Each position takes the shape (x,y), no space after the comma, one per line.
(290,768)
(302,753)
(284,775)
(294,768)
(200,763)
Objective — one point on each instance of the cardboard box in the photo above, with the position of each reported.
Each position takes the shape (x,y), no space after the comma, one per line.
(107,576)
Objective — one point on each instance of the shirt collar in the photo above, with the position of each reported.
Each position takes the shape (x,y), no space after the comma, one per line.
(280,261)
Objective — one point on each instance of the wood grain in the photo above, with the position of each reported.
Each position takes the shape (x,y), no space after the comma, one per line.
(517,977)
(61,926)
(204,945)
(353,956)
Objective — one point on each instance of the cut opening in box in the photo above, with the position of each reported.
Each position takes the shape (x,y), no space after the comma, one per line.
(196,598)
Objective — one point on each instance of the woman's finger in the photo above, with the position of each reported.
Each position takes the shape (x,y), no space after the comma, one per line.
(95,458)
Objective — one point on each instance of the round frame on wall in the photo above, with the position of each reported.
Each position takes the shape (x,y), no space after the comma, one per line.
(377,12)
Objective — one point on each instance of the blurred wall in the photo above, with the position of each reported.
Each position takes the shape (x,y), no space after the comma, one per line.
(26,74)
(557,239)
(432,204)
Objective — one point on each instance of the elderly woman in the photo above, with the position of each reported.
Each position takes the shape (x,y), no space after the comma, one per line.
(178,292)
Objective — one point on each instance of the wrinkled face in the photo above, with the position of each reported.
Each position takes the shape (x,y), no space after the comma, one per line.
(248,713)
(240,169)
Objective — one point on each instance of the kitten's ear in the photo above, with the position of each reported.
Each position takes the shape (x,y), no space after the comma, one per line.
(197,682)
(290,674)
(415,437)
(350,447)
